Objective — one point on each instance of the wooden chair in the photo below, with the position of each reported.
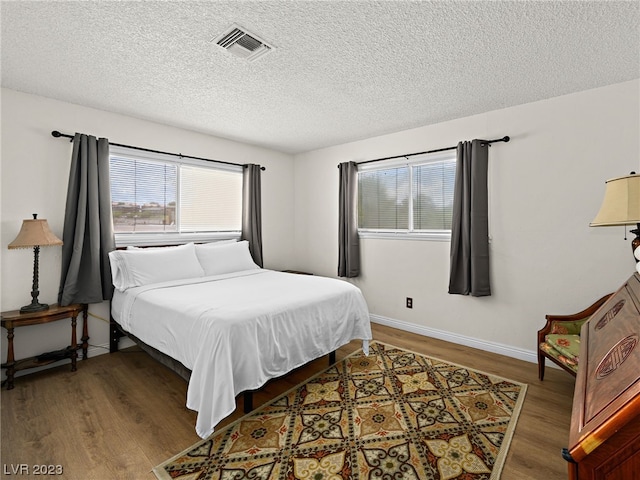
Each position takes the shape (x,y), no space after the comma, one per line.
(559,339)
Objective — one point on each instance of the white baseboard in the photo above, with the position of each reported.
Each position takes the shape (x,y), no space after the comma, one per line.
(95,350)
(499,348)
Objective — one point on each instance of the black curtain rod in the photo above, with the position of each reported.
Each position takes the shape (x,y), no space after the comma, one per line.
(503,139)
(57,134)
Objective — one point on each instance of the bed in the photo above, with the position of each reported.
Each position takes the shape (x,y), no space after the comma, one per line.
(231,324)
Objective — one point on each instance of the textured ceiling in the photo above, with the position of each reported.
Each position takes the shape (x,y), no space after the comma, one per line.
(341,71)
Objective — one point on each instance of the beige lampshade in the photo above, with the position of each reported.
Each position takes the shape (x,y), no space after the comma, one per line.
(35,233)
(621,204)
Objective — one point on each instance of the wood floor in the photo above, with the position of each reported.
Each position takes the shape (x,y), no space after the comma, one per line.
(121,414)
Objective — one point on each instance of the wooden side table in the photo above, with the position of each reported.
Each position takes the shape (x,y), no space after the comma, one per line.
(14,318)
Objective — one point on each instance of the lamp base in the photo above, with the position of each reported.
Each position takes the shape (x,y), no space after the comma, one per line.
(34,307)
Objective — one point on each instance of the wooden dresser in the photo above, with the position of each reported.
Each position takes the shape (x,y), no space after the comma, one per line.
(604,442)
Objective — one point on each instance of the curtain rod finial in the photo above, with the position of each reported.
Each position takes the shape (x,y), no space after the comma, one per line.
(58,134)
(506,138)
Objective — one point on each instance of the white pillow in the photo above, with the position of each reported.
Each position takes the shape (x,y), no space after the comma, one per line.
(141,266)
(227,258)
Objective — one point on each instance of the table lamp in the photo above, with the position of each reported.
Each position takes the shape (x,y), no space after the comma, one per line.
(621,205)
(35,233)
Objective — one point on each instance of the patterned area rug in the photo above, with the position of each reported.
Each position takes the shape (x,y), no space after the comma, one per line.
(392,415)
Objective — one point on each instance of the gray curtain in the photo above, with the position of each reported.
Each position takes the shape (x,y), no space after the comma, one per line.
(470,224)
(88,226)
(252,211)
(348,241)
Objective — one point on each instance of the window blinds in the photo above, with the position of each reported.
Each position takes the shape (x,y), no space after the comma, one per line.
(414,197)
(433,185)
(383,199)
(159,196)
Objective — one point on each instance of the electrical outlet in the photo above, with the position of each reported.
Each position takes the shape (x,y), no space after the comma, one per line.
(409,302)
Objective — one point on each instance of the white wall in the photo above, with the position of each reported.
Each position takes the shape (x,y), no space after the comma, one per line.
(546,185)
(35,171)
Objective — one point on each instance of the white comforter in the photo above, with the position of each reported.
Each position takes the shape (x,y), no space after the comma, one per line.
(236,331)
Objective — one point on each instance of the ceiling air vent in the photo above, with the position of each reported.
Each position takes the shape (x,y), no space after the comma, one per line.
(242,43)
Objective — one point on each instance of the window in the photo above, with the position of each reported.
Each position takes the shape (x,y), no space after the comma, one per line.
(407,198)
(158,198)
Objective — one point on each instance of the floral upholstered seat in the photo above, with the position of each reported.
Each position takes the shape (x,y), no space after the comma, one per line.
(564,348)
(559,340)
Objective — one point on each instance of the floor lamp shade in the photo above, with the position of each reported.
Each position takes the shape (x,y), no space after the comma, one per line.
(621,205)
(35,233)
